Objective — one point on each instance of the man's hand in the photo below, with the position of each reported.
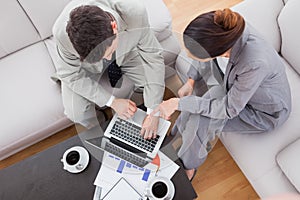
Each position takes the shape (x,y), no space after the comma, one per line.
(149,127)
(125,108)
(166,108)
(187,88)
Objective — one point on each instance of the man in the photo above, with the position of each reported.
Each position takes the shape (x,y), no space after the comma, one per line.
(90,33)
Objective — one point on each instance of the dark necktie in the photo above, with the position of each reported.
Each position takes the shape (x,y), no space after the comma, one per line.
(218,67)
(114,72)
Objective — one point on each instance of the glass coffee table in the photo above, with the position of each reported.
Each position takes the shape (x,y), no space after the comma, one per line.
(42,177)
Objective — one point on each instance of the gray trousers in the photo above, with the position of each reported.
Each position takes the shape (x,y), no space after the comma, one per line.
(196,153)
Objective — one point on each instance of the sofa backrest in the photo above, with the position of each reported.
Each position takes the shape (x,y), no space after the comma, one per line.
(25,22)
(43,14)
(278,22)
(17,30)
(288,21)
(262,14)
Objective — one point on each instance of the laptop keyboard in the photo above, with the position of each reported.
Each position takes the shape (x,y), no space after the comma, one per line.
(131,133)
(125,155)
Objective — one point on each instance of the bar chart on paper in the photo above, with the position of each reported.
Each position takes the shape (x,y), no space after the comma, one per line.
(145,173)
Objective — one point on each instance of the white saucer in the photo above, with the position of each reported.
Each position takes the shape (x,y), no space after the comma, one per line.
(168,182)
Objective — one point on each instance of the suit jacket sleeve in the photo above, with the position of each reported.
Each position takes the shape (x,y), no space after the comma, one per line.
(148,48)
(154,69)
(193,72)
(230,105)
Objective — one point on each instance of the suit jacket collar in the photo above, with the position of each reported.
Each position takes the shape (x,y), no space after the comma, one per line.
(235,53)
(120,22)
(109,7)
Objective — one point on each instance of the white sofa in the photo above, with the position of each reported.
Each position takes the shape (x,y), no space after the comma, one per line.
(271,161)
(31,104)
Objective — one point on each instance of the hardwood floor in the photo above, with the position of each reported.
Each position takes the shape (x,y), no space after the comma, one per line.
(183,12)
(219,177)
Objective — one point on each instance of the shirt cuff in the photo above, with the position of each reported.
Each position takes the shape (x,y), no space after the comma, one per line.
(193,73)
(111,99)
(149,111)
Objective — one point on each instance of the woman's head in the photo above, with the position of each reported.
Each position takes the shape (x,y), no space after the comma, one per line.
(212,34)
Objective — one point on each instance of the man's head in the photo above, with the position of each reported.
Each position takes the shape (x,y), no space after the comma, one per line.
(92,31)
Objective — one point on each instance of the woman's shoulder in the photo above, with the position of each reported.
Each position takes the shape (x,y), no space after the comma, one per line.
(257,51)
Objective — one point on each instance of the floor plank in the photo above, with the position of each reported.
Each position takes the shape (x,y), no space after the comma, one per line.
(220,178)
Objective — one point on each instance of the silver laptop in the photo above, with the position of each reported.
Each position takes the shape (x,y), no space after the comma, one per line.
(122,138)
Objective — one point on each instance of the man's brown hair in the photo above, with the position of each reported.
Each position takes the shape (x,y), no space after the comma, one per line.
(89,29)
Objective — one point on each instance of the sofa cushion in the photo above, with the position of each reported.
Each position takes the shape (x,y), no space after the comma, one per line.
(43,13)
(254,11)
(159,18)
(289,162)
(249,150)
(16,29)
(30,101)
(2,52)
(288,21)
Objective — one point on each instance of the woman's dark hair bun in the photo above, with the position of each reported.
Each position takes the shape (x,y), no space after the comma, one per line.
(213,33)
(226,18)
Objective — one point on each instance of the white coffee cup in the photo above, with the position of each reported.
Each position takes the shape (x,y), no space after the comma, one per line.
(160,188)
(75,159)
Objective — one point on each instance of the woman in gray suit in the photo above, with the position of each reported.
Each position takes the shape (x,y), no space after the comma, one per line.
(254,96)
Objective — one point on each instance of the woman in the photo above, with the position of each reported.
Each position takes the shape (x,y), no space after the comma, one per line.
(255,94)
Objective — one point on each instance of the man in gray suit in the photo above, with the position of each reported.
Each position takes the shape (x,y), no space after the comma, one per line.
(87,34)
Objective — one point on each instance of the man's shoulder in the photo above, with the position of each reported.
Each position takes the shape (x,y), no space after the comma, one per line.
(129,7)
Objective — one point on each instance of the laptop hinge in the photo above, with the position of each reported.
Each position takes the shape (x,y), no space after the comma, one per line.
(128,147)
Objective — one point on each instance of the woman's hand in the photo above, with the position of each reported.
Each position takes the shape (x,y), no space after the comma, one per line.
(187,88)
(167,108)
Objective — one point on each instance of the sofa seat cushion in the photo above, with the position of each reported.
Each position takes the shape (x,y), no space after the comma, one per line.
(289,162)
(288,21)
(30,101)
(255,153)
(263,20)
